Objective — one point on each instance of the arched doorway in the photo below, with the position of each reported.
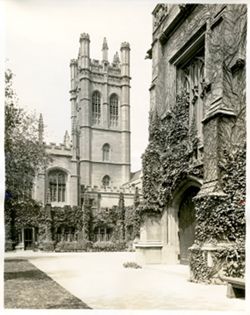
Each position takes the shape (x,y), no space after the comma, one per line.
(186,216)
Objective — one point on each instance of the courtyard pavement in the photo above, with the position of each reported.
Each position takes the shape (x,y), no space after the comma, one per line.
(101,281)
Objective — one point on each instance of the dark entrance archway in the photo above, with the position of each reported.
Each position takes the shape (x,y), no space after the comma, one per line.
(28,238)
(186,215)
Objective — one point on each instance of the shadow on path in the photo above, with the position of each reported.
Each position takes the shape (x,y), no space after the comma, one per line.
(25,286)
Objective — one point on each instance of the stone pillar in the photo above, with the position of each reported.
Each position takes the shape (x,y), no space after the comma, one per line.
(105,101)
(48,223)
(84,51)
(84,108)
(20,245)
(73,182)
(125,110)
(218,112)
(73,98)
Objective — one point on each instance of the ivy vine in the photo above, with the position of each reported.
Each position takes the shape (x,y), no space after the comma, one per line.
(168,157)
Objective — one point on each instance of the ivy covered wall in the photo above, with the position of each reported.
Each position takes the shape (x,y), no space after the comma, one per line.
(197,129)
(169,157)
(220,220)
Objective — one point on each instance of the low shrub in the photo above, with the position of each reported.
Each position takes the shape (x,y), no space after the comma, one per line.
(66,246)
(47,246)
(9,245)
(74,246)
(109,246)
(131,265)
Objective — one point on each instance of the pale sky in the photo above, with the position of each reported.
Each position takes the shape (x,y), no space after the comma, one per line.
(43,35)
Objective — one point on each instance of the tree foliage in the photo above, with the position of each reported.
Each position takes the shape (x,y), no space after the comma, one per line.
(24,155)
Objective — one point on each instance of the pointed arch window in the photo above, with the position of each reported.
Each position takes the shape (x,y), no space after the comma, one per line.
(57,185)
(106,181)
(96,108)
(106,152)
(113,110)
(190,78)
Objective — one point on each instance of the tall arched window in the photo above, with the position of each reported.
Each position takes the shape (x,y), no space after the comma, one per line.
(113,110)
(57,185)
(96,108)
(106,152)
(106,181)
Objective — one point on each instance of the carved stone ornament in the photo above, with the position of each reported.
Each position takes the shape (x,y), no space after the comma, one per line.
(159,14)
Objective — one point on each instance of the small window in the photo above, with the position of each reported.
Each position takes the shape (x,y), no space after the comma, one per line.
(106,152)
(96,108)
(113,110)
(106,181)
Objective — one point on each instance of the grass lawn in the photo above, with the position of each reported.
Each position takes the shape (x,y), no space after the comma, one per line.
(25,286)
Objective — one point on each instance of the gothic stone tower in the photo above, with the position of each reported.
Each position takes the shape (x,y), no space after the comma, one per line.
(100,103)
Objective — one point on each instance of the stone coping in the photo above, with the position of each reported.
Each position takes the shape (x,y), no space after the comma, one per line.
(149,244)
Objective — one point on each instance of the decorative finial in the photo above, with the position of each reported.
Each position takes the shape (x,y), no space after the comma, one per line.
(66,139)
(105,44)
(73,62)
(116,58)
(105,50)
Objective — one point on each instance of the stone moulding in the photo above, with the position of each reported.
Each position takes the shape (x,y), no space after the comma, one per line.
(176,22)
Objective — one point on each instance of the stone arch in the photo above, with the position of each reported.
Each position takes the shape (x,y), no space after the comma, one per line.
(176,241)
(184,185)
(106,149)
(106,180)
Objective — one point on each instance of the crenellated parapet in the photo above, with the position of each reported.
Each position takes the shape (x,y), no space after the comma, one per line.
(84,36)
(58,149)
(112,69)
(114,189)
(125,45)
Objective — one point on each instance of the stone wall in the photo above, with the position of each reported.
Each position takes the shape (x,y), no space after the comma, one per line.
(195,120)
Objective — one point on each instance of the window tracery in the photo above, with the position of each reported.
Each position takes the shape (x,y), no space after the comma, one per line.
(57,185)
(96,108)
(191,80)
(113,110)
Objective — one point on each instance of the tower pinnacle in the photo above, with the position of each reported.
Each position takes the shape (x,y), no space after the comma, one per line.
(105,50)
(40,129)
(116,59)
(66,139)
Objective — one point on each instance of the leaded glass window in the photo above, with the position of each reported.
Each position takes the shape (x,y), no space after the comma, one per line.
(57,185)
(105,152)
(96,108)
(113,110)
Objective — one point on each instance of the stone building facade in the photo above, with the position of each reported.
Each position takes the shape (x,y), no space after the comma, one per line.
(88,175)
(197,120)
(96,158)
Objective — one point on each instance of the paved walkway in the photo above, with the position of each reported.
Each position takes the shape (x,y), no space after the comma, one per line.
(101,281)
